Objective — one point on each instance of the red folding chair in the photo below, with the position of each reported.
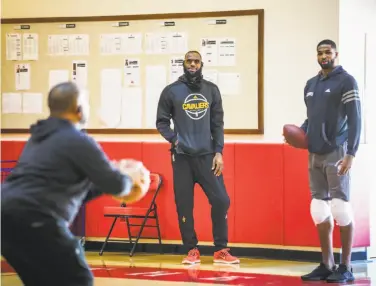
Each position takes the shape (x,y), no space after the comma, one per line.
(145,213)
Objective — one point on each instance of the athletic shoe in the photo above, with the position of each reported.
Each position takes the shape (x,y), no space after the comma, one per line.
(321,272)
(192,257)
(223,256)
(341,275)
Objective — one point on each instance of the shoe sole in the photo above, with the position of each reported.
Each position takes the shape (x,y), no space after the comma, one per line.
(226,262)
(191,262)
(341,281)
(313,279)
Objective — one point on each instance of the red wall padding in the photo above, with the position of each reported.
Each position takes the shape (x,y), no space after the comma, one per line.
(11,150)
(267,185)
(156,158)
(258,200)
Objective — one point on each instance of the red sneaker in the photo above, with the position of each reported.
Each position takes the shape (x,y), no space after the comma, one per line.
(223,256)
(192,257)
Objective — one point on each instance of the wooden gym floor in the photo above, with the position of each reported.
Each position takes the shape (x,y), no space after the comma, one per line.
(115,269)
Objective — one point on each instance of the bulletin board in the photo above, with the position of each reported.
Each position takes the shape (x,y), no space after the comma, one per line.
(124,62)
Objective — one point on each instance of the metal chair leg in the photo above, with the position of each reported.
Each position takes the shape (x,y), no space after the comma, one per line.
(139,234)
(129,230)
(159,232)
(108,236)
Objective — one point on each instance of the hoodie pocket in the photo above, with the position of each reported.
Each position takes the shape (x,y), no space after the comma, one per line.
(323,133)
(194,143)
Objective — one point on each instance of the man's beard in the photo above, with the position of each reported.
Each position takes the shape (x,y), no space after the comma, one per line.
(327,65)
(193,76)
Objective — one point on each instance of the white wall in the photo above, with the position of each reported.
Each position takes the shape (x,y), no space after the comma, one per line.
(292,30)
(357,32)
(371,127)
(357,46)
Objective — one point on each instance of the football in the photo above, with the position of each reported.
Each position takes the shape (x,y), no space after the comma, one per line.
(295,136)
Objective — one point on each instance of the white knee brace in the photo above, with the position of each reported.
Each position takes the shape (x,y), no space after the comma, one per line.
(320,211)
(342,212)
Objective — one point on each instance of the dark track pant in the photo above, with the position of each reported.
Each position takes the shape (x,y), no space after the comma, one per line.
(42,252)
(187,171)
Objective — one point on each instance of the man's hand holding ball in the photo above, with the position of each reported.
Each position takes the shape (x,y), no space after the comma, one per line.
(140,177)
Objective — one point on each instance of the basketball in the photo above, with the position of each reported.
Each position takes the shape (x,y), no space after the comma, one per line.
(141,187)
(136,194)
(295,136)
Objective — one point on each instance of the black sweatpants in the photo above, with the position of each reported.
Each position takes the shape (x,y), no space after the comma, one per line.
(187,171)
(43,252)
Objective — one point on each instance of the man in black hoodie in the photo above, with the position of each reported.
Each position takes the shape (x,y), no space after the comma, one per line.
(59,169)
(195,106)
